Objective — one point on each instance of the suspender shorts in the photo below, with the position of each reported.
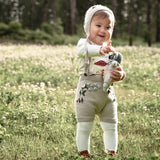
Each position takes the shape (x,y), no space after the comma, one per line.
(91,100)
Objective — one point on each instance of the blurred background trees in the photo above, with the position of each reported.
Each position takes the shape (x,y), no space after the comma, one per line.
(134,18)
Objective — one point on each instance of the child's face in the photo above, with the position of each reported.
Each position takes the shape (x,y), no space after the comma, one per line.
(100,30)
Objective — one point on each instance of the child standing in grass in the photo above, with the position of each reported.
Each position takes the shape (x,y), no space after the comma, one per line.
(90,97)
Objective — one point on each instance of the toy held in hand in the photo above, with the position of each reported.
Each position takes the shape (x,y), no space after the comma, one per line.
(109,62)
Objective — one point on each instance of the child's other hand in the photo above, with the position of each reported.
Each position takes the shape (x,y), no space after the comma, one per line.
(117,74)
(106,48)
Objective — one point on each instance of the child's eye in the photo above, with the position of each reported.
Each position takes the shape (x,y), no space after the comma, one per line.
(98,25)
(108,28)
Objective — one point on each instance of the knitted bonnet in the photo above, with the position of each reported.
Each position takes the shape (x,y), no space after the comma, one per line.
(91,11)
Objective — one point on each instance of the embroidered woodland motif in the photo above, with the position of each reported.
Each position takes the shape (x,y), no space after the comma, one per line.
(93,87)
(87,87)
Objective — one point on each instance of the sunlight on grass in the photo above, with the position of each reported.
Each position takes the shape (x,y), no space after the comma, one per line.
(37,118)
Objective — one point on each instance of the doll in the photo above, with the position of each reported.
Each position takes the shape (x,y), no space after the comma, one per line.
(109,62)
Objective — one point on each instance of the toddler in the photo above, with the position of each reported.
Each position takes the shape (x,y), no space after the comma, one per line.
(90,98)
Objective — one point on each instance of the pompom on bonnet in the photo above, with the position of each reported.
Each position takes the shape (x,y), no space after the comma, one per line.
(90,13)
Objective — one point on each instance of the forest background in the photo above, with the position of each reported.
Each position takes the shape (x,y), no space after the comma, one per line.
(38,82)
(61,21)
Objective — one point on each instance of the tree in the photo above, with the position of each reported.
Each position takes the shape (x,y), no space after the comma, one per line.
(133,17)
(148,20)
(114,6)
(158,22)
(54,9)
(120,18)
(72,16)
(130,22)
(31,14)
(114,9)
(45,10)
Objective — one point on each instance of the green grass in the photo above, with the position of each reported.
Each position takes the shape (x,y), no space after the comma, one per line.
(37,118)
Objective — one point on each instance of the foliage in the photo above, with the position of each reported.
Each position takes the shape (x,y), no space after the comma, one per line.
(71,39)
(47,28)
(48,34)
(33,13)
(37,118)
(3,29)
(14,27)
(58,27)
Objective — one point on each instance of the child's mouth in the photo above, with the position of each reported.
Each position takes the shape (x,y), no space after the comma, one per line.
(101,36)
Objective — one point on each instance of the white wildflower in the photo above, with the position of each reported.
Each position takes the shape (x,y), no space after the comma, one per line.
(145,108)
(42,84)
(132,92)
(123,114)
(49,83)
(3,117)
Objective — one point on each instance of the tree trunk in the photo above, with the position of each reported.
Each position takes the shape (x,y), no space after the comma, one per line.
(114,8)
(45,9)
(72,16)
(158,21)
(32,13)
(130,22)
(54,9)
(149,6)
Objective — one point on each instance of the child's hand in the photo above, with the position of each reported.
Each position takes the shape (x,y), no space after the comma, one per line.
(117,74)
(106,48)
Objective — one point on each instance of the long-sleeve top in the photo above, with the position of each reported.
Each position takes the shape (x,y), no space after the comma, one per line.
(93,53)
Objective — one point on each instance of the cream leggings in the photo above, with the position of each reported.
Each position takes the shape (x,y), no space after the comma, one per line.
(110,136)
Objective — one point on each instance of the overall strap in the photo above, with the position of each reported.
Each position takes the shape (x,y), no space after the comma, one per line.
(87,61)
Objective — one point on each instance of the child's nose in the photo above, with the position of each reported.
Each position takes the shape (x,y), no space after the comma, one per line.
(103,30)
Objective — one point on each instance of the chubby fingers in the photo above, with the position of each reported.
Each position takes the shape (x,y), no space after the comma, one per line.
(102,51)
(109,43)
(119,68)
(116,75)
(106,49)
(111,49)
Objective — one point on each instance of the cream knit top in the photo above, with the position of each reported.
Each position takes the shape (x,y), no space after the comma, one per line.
(93,54)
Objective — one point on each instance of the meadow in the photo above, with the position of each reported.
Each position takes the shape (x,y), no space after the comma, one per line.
(37,118)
